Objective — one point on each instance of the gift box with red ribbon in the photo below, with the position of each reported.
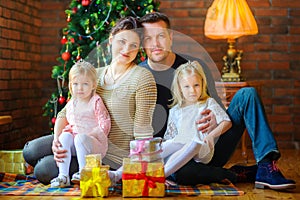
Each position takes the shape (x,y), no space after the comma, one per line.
(143,179)
(146,149)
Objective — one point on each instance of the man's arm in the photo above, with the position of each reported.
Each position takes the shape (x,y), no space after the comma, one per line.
(208,122)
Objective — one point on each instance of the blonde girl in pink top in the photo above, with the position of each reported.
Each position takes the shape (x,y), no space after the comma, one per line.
(88,122)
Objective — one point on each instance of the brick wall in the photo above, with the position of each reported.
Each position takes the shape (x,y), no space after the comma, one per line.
(20,67)
(30,33)
(29,45)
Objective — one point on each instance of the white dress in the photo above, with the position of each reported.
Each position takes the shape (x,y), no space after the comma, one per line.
(182,127)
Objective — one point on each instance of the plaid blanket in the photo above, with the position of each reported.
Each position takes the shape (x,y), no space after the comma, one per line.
(22,185)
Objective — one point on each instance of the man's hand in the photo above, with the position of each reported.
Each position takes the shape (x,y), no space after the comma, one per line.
(208,122)
(57,151)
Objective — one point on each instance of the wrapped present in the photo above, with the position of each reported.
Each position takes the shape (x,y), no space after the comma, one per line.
(94,179)
(12,161)
(143,179)
(146,149)
(93,160)
(94,182)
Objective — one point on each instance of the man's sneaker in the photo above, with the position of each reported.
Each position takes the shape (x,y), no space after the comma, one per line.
(171,180)
(76,178)
(268,175)
(245,174)
(60,182)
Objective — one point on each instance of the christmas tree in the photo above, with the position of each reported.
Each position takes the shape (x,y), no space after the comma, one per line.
(89,22)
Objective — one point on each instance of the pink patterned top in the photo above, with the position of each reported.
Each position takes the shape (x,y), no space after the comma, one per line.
(94,120)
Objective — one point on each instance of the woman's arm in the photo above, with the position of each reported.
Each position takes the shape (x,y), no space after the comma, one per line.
(146,95)
(60,123)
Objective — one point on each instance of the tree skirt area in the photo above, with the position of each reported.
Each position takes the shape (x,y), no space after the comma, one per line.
(22,185)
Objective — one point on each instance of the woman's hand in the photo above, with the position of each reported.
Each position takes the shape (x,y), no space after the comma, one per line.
(208,122)
(57,151)
(60,123)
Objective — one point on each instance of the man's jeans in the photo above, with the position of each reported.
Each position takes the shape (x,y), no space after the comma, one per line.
(245,111)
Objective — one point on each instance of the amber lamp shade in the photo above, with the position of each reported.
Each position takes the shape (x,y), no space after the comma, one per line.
(230,19)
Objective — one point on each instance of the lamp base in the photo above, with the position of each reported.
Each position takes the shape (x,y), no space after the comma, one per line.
(232,71)
(232,77)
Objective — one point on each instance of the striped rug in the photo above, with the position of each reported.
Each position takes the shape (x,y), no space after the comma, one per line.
(22,185)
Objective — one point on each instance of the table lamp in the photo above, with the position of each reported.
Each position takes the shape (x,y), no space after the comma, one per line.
(230,19)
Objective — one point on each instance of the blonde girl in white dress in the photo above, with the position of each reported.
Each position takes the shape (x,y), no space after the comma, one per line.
(183,141)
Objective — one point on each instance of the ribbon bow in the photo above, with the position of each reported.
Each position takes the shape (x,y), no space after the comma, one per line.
(97,182)
(139,147)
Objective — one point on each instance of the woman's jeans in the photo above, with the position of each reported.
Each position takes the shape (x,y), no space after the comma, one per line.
(38,153)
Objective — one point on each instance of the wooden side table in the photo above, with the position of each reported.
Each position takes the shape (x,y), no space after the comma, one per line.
(226,91)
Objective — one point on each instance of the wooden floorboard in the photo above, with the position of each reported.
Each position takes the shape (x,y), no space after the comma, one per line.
(289,164)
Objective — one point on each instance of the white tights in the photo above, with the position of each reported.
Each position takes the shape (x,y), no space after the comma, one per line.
(178,155)
(78,145)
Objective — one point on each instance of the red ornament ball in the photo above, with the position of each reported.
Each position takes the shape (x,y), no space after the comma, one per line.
(143,58)
(78,58)
(63,40)
(61,100)
(74,10)
(66,56)
(53,120)
(85,2)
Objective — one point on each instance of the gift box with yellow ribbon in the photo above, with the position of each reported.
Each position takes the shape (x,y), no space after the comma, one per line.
(94,179)
(145,149)
(12,161)
(143,179)
(93,160)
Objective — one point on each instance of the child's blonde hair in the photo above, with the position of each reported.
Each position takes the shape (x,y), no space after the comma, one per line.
(189,68)
(84,68)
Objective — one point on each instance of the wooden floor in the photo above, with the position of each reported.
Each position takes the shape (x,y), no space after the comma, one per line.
(289,164)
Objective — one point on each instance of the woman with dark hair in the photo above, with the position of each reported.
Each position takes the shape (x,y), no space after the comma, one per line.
(129,94)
